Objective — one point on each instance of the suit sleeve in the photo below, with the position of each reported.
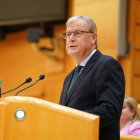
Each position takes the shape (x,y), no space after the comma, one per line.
(109,89)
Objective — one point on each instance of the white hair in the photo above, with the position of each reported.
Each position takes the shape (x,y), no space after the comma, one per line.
(89,20)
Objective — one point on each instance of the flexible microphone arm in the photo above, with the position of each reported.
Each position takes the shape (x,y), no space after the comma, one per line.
(40,78)
(0,91)
(26,81)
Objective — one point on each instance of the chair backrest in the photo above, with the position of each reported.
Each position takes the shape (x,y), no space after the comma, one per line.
(129,137)
(139,107)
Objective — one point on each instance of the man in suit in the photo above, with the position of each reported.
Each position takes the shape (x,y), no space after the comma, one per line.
(100,86)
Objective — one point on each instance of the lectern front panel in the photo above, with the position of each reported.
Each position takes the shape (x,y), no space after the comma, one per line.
(27,118)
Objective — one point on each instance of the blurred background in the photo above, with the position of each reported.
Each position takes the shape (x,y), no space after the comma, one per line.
(31,42)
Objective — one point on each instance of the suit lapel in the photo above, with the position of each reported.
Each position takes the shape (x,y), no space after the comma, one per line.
(84,72)
(65,88)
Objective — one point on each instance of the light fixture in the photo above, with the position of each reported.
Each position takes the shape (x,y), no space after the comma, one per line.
(20,114)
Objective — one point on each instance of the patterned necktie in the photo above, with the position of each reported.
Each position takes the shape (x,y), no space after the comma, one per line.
(74,78)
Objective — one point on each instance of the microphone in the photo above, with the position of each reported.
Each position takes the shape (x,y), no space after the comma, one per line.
(41,77)
(26,81)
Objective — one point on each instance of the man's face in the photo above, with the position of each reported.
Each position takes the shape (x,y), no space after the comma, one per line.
(80,47)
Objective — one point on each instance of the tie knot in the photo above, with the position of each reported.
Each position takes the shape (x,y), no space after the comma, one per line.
(78,68)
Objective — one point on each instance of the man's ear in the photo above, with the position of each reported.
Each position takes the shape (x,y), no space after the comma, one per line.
(94,38)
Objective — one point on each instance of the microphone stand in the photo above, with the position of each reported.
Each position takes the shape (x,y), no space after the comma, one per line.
(27,81)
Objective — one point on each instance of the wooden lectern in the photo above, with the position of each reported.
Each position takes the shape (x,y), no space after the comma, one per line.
(44,120)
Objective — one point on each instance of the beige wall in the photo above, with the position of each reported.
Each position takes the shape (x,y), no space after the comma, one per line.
(18,62)
(105,15)
(19,59)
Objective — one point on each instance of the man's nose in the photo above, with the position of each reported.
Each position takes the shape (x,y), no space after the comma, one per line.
(72,36)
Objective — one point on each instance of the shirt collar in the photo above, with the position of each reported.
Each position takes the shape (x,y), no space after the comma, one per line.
(83,63)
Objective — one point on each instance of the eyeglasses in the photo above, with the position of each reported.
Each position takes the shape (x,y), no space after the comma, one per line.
(77,33)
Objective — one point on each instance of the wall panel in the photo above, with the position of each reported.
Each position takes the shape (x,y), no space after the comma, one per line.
(21,59)
(137,37)
(136,92)
(105,14)
(138,11)
(18,62)
(137,63)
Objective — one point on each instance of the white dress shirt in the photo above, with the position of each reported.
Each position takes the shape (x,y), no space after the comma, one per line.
(83,63)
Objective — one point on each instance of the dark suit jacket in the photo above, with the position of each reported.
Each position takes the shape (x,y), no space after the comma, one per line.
(99,90)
